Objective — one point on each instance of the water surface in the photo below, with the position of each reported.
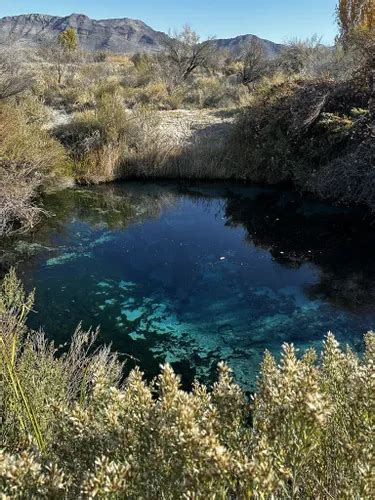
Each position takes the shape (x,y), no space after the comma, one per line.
(194,274)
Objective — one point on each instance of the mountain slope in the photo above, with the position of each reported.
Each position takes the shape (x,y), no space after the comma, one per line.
(234,45)
(114,35)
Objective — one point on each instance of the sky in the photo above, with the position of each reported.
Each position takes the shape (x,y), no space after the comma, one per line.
(276,20)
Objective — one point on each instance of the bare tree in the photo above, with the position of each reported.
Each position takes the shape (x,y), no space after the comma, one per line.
(59,58)
(254,64)
(14,79)
(185,52)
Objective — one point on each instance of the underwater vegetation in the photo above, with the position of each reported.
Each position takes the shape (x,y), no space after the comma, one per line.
(193,275)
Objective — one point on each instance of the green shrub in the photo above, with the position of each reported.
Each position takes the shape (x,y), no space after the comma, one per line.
(307,433)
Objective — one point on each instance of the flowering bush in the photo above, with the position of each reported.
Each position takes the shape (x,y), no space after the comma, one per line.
(71,429)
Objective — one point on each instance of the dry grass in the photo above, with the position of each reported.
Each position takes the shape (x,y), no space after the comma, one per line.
(112,143)
(29,158)
(18,209)
(179,144)
(96,140)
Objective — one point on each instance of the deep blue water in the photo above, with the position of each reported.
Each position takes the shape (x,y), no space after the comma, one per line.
(195,274)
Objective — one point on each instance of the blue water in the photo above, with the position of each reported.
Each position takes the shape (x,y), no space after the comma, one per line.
(195,274)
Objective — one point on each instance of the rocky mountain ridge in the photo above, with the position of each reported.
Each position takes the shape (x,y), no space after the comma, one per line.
(113,35)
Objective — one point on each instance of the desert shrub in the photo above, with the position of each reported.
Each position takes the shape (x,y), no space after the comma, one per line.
(330,63)
(145,69)
(112,117)
(82,81)
(154,94)
(77,431)
(99,57)
(56,378)
(212,92)
(264,152)
(14,77)
(121,60)
(311,59)
(29,159)
(304,132)
(24,142)
(19,211)
(108,87)
(96,140)
(295,55)
(350,177)
(70,97)
(34,110)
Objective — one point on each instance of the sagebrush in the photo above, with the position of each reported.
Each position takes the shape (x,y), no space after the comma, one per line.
(81,432)
(29,159)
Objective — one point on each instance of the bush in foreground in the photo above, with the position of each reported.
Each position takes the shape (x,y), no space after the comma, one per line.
(70,429)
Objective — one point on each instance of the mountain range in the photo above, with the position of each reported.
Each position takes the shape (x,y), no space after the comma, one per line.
(125,35)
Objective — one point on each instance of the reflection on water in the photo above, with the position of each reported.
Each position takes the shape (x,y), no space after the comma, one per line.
(196,274)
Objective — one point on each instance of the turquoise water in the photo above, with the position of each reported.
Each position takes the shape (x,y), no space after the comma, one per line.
(195,274)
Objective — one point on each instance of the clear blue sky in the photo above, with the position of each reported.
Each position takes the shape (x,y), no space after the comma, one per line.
(277,20)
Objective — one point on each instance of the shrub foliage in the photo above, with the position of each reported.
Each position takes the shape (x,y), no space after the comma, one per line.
(29,158)
(71,429)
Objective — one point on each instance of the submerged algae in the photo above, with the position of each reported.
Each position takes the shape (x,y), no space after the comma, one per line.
(194,275)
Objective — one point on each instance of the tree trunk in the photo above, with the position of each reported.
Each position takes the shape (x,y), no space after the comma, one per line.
(371,104)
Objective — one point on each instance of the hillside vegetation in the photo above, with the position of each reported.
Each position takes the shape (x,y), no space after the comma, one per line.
(73,428)
(305,116)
